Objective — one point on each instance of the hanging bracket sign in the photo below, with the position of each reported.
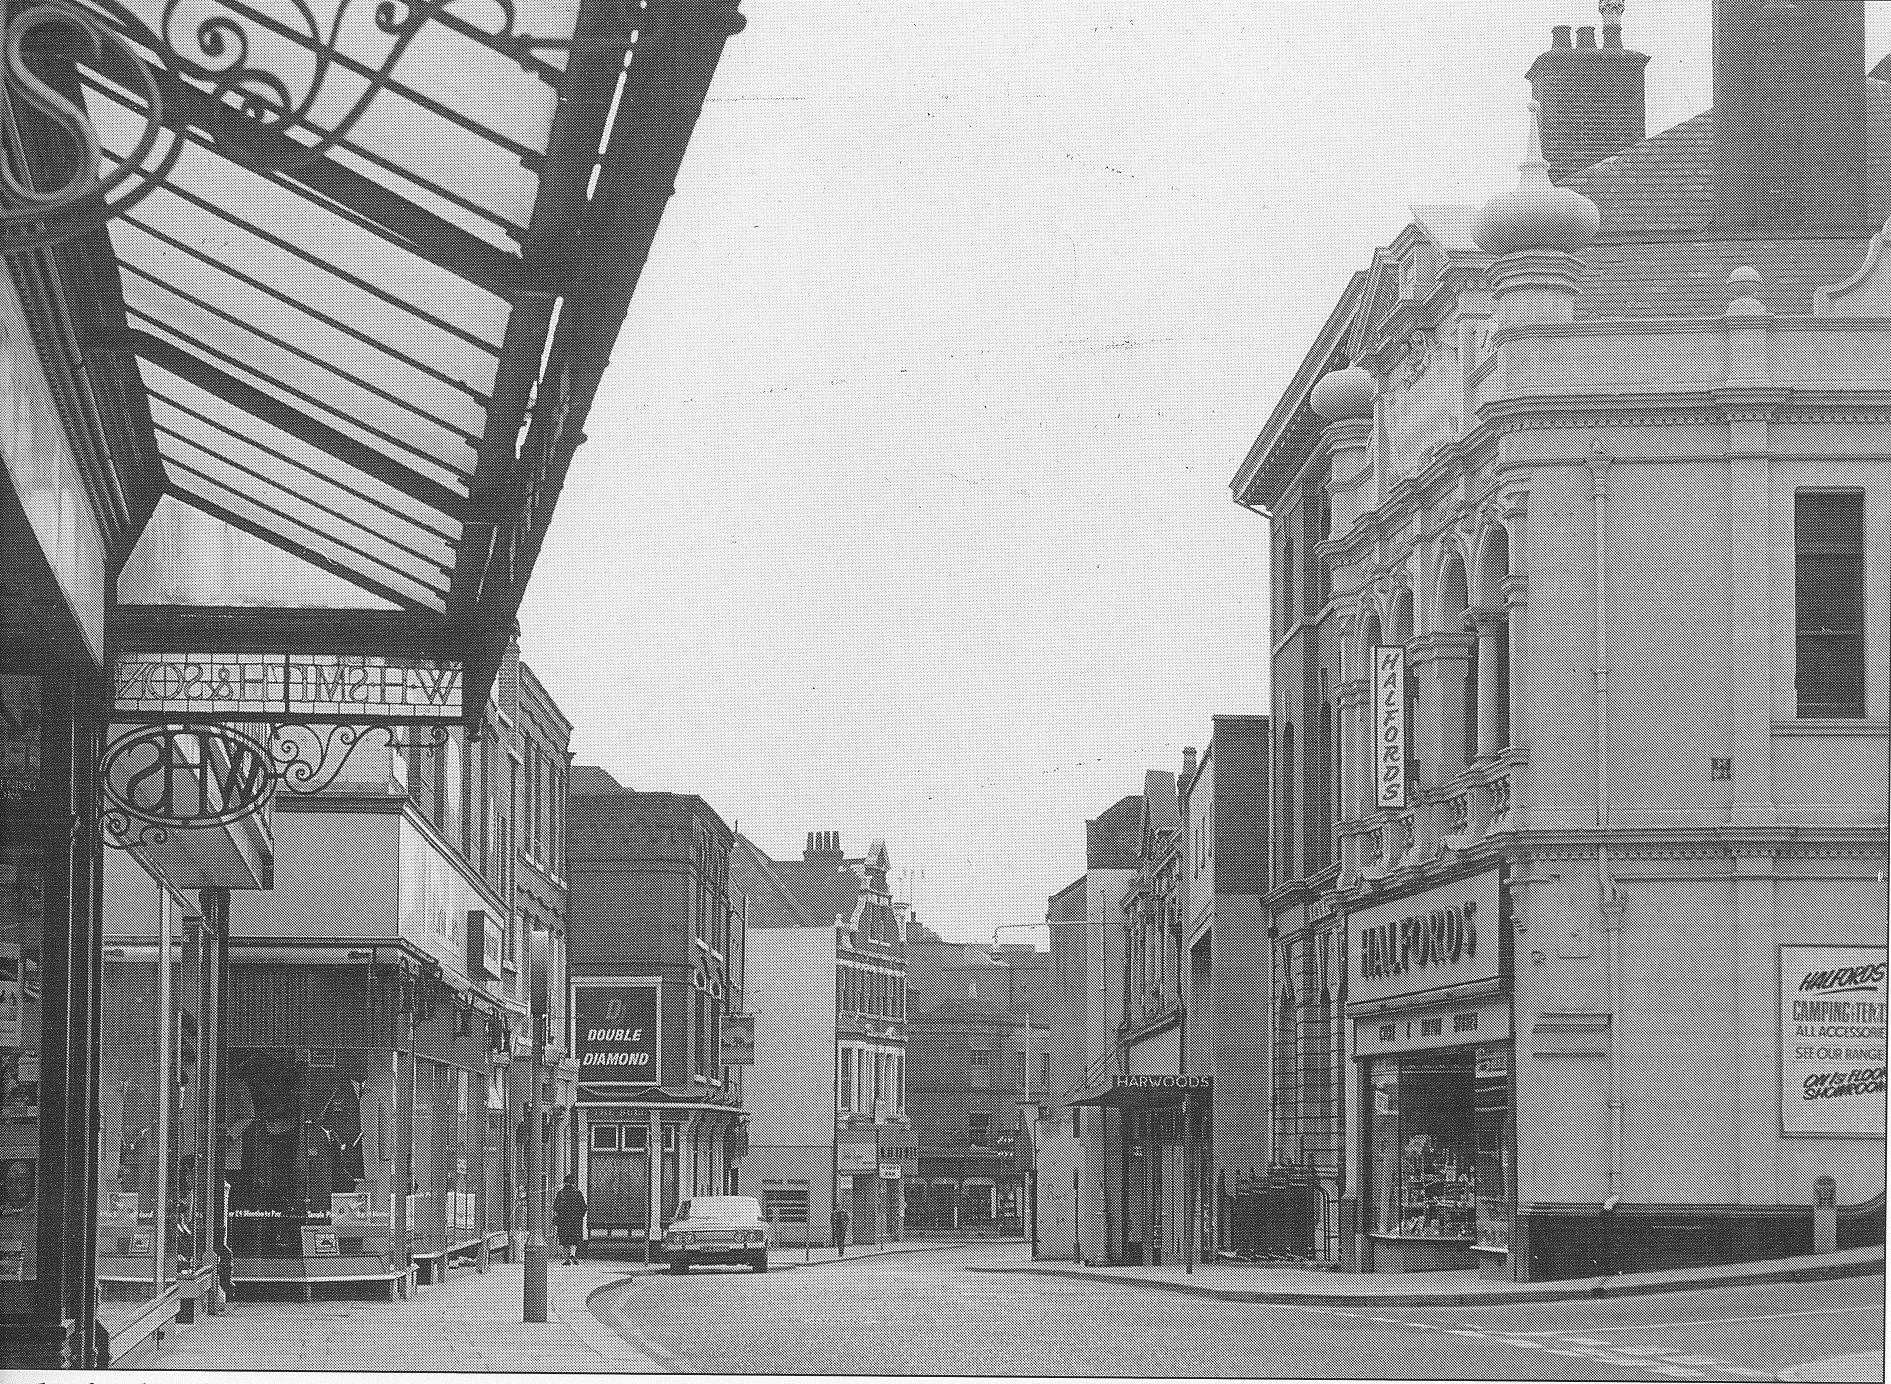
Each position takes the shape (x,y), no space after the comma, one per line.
(175,686)
(159,779)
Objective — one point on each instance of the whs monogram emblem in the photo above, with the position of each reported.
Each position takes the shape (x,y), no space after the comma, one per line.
(181,779)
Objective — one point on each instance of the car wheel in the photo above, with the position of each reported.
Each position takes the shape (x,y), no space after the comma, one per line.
(759,1263)
(679,1265)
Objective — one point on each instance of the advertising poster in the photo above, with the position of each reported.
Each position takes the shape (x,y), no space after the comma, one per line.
(614,1032)
(1832,1040)
(19,737)
(19,1089)
(858,1152)
(12,994)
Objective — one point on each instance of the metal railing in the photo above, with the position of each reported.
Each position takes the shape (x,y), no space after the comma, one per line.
(1285,1212)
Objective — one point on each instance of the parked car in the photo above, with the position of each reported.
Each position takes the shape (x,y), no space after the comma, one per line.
(717,1230)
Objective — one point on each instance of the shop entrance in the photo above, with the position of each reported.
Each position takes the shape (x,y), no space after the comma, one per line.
(1441,1181)
(618,1190)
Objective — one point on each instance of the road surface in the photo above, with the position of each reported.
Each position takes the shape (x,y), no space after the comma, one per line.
(928,1314)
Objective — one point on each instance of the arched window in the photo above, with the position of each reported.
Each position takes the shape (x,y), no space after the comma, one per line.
(1457,709)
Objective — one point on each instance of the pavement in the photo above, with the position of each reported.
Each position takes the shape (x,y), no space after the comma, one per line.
(1287,1284)
(471,1321)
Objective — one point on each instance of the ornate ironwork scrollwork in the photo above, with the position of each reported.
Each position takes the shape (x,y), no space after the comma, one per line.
(156,780)
(120,831)
(302,772)
(214,47)
(32,216)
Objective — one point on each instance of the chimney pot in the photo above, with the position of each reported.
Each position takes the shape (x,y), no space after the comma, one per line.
(1591,100)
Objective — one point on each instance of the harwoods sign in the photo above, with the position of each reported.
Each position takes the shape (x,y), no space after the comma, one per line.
(1446,936)
(615,1033)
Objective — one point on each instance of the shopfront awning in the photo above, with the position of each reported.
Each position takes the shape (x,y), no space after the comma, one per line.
(1147,1091)
(366,351)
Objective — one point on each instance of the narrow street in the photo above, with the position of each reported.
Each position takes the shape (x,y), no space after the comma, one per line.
(928,1314)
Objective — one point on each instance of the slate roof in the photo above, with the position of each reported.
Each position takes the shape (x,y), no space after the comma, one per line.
(1111,840)
(1665,184)
(826,889)
(972,1011)
(1689,278)
(1657,256)
(1159,798)
(588,779)
(771,902)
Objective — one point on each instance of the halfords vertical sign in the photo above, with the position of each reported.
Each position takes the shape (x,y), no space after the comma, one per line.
(1832,1011)
(1388,724)
(615,1032)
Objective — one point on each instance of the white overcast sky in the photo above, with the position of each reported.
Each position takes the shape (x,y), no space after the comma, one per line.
(905,507)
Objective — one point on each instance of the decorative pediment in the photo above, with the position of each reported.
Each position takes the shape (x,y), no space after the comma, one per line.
(1866,293)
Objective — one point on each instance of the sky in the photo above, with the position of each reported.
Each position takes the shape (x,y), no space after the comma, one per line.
(904,510)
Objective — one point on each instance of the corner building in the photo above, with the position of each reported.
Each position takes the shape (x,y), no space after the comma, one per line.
(657,964)
(1602,465)
(830,1128)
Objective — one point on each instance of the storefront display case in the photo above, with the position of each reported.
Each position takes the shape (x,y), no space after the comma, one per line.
(22,910)
(1439,1140)
(309,1159)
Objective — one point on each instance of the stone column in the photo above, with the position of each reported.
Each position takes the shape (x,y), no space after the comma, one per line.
(1442,662)
(1491,738)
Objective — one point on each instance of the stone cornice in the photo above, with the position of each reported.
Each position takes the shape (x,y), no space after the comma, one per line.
(1698,843)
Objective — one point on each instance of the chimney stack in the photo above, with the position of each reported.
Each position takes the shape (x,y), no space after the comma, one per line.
(1789,118)
(1590,99)
(1188,764)
(822,845)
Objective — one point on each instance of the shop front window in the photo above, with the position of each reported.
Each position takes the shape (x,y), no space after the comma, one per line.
(22,911)
(134,1111)
(1439,1146)
(192,979)
(309,1152)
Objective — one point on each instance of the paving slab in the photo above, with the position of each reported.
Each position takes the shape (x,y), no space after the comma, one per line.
(1446,1288)
(472,1321)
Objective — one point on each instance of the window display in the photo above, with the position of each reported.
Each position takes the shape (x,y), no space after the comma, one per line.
(22,911)
(134,1114)
(309,1152)
(1439,1146)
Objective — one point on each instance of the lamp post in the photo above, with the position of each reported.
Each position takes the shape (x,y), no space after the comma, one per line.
(1026,1108)
(501,1059)
(535,1253)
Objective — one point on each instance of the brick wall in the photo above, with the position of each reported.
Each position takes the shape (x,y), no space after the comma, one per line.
(1591,101)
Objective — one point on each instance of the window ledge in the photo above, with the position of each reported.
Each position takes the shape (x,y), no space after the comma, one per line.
(1859,725)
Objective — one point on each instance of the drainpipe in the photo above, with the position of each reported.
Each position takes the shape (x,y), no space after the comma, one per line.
(1610,898)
